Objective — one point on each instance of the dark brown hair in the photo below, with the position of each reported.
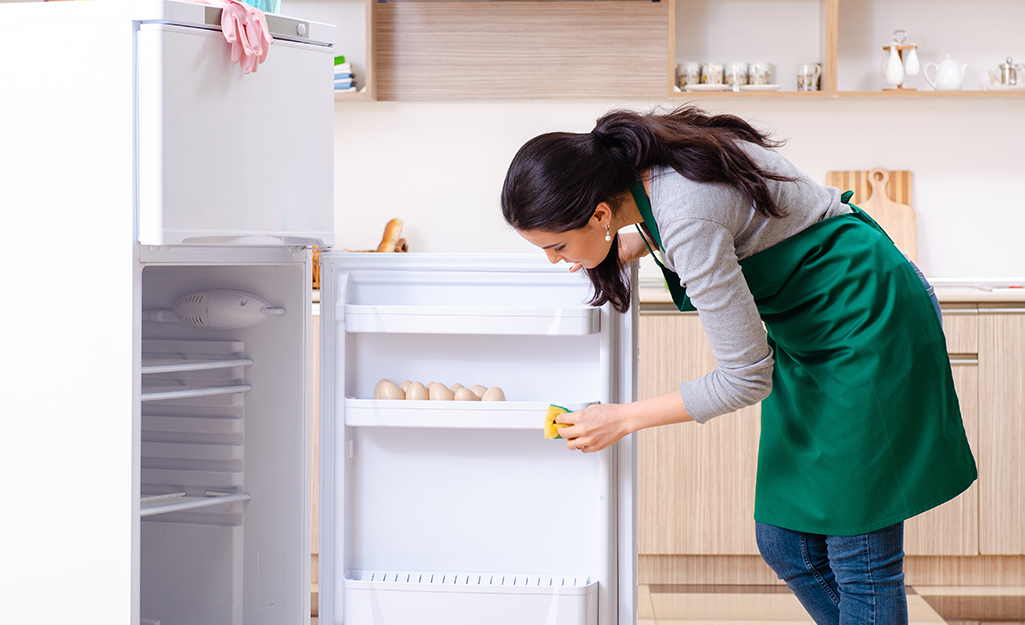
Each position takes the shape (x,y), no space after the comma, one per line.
(557,180)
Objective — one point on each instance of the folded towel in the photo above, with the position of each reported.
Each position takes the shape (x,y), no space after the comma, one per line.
(339,76)
(343,67)
(343,83)
(344,90)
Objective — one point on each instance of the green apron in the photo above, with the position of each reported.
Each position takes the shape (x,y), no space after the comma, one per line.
(862,428)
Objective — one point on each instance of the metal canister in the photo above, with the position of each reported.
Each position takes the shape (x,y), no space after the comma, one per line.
(1008,75)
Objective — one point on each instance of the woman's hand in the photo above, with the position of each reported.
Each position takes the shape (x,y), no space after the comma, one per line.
(594,428)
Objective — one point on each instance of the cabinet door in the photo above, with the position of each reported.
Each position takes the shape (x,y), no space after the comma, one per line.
(1002,432)
(696,482)
(952,529)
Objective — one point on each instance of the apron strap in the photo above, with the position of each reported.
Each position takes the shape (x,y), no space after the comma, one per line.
(677,290)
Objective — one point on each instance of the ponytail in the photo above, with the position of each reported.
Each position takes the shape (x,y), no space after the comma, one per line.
(556,180)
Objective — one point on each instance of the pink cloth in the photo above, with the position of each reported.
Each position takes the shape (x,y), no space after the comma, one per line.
(245,28)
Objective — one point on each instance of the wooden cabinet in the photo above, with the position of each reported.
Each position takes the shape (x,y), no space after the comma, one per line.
(629,49)
(952,529)
(696,483)
(1001,455)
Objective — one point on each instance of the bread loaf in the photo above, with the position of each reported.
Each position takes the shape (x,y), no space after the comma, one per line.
(392,234)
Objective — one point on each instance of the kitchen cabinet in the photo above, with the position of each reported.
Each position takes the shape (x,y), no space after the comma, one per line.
(952,529)
(696,483)
(1002,430)
(471,50)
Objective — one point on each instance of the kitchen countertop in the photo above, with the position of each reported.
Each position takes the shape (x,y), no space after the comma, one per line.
(954,293)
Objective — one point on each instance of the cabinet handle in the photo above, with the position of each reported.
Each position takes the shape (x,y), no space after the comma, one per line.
(1003,310)
(964,361)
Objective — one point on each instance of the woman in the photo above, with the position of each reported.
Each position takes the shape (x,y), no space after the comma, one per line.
(809,308)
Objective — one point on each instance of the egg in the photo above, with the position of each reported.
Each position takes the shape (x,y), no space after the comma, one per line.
(455,387)
(479,389)
(465,394)
(417,391)
(493,394)
(405,385)
(439,391)
(386,389)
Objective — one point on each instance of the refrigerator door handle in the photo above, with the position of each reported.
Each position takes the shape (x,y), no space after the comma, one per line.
(280,27)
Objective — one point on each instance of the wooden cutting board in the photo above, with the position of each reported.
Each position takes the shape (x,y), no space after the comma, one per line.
(886,197)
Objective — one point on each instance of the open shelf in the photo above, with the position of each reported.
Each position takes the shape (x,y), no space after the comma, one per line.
(472,320)
(498,415)
(151,505)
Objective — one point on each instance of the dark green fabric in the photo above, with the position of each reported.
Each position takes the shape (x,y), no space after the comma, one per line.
(862,428)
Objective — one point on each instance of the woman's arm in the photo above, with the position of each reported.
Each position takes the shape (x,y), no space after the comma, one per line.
(596,427)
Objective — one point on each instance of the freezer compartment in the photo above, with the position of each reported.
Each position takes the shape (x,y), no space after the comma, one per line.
(418,598)
(224,444)
(227,158)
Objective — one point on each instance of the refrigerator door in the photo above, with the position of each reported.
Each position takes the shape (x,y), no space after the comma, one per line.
(460,512)
(229,158)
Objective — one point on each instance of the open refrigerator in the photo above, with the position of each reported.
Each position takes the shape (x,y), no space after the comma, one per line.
(183,429)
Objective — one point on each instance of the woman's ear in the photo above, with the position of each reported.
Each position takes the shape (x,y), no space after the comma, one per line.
(603,213)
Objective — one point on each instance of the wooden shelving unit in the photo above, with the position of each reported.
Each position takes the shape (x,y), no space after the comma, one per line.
(617,49)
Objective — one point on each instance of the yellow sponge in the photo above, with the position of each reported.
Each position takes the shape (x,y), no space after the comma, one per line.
(551,428)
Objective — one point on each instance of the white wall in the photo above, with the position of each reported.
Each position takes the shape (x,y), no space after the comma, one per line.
(440,165)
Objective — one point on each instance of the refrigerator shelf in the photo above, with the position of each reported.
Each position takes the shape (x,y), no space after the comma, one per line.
(470,582)
(469,598)
(177,365)
(162,392)
(176,502)
(578,321)
(498,415)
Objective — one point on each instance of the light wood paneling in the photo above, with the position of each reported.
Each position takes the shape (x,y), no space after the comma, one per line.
(681,569)
(965,571)
(747,570)
(1002,432)
(953,528)
(697,482)
(961,328)
(520,50)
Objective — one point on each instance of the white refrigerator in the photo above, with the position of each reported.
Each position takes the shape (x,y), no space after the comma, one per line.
(158,444)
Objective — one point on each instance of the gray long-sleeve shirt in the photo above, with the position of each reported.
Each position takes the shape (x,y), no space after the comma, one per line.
(706,230)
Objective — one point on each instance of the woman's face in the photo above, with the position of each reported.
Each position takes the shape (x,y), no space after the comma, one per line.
(586,246)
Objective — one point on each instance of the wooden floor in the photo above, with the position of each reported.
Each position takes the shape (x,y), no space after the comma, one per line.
(775,605)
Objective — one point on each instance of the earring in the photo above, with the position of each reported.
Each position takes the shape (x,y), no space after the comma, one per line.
(608,237)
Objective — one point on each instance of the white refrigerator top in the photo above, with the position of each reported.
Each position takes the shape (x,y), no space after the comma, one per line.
(205,16)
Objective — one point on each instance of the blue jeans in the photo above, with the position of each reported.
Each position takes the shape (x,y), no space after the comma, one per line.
(841,579)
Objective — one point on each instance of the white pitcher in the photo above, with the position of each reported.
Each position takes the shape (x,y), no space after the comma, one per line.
(947,76)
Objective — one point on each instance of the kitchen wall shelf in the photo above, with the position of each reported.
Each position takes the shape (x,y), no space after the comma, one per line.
(471,320)
(515,50)
(497,415)
(151,505)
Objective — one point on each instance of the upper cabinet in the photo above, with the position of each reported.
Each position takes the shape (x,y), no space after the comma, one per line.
(520,49)
(631,49)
